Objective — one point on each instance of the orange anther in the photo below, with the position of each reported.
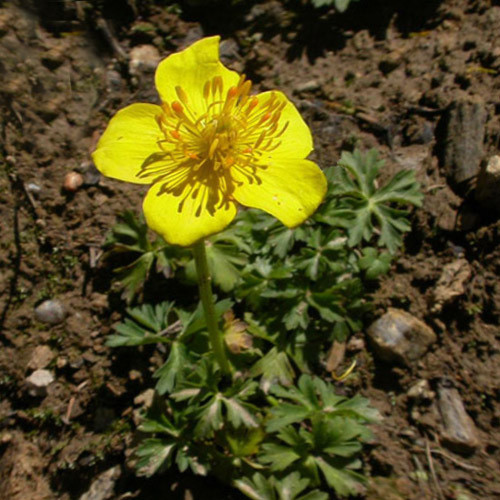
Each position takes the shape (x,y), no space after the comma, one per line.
(247,150)
(265,117)
(177,108)
(193,156)
(232,92)
(175,134)
(253,103)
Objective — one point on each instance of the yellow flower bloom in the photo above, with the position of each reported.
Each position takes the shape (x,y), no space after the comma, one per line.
(209,146)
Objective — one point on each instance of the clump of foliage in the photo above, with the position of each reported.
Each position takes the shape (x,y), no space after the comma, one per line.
(275,430)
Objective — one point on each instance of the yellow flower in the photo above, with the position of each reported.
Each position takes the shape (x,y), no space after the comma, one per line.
(209,146)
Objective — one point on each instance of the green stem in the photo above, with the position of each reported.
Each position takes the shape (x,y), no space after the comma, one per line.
(207,299)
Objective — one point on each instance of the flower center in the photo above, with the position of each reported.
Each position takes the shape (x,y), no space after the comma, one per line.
(210,136)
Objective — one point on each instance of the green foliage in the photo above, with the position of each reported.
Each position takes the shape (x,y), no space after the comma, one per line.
(274,430)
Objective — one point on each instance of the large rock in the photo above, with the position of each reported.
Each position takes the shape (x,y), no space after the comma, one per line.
(459,432)
(463,141)
(399,337)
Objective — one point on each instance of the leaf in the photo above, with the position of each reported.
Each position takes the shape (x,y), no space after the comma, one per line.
(133,276)
(238,415)
(256,488)
(274,368)
(278,456)
(374,263)
(154,454)
(343,481)
(146,325)
(209,417)
(364,206)
(176,364)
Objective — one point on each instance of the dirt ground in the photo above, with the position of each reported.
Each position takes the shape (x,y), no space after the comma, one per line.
(386,74)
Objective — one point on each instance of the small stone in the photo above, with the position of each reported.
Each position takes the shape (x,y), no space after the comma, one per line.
(61,362)
(399,337)
(114,81)
(40,358)
(52,59)
(33,188)
(72,182)
(143,59)
(309,86)
(134,375)
(355,344)
(421,391)
(459,432)
(38,382)
(451,283)
(91,176)
(488,185)
(464,136)
(50,311)
(102,488)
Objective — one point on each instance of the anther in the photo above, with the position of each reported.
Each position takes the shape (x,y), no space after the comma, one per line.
(213,147)
(177,108)
(206,90)
(181,94)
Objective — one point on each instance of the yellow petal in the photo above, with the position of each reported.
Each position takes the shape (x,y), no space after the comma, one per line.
(291,190)
(129,140)
(189,223)
(296,141)
(189,70)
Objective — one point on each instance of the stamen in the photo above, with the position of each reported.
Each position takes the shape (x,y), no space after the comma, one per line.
(181,95)
(177,108)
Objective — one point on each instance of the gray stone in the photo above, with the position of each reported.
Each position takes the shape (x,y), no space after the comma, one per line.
(488,185)
(459,432)
(41,357)
(464,137)
(143,59)
(51,312)
(102,488)
(38,382)
(399,337)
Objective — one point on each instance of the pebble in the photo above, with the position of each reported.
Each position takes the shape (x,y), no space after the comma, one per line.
(72,182)
(398,337)
(33,188)
(488,185)
(143,59)
(451,283)
(102,488)
(91,176)
(40,358)
(421,391)
(50,311)
(459,432)
(38,382)
(309,86)
(463,142)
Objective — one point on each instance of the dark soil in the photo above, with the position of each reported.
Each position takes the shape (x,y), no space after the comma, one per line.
(383,75)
